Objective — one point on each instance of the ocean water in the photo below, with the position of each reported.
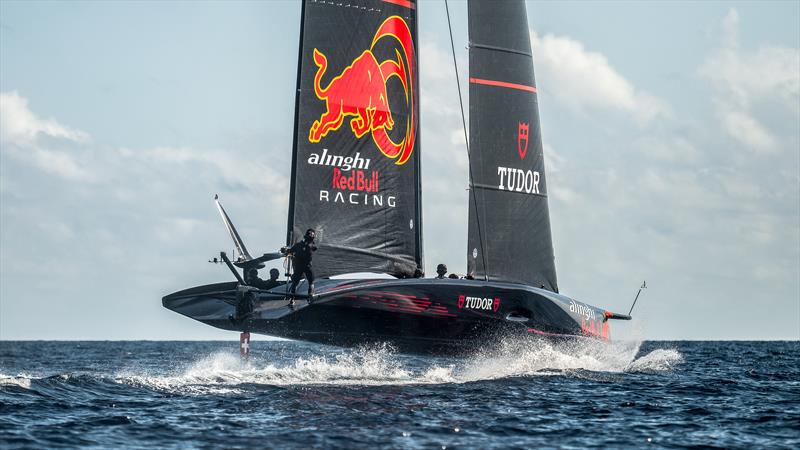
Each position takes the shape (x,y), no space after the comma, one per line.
(297,395)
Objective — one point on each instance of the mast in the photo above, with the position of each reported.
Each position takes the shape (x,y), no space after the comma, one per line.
(290,220)
(420,257)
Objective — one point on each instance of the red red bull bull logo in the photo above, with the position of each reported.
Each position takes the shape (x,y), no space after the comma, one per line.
(359,93)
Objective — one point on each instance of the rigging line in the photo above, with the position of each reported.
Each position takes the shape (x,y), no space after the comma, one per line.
(466,142)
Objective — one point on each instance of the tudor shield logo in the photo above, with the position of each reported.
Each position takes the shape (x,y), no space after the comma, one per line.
(519,180)
(522,140)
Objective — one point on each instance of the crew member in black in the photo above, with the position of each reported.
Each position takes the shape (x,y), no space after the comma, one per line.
(273,278)
(252,279)
(302,252)
(441,271)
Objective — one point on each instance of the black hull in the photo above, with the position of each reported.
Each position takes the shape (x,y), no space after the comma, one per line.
(429,316)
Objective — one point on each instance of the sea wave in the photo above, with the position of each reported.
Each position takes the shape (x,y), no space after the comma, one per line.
(659,360)
(224,372)
(23,381)
(299,395)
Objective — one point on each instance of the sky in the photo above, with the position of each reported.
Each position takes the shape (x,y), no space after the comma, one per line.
(671,133)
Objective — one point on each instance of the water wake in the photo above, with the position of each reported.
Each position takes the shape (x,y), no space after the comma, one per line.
(660,360)
(224,372)
(520,358)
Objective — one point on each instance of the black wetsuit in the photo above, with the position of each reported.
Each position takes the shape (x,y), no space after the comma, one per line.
(264,284)
(269,284)
(302,252)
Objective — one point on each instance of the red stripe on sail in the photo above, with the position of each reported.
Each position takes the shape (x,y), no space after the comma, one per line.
(404,3)
(504,84)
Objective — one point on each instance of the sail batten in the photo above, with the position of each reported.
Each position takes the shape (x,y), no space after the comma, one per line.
(502,49)
(509,215)
(355,170)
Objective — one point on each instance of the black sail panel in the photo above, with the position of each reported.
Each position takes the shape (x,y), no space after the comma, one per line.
(507,164)
(355,167)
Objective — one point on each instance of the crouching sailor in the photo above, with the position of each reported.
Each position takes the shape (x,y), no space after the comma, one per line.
(252,279)
(302,252)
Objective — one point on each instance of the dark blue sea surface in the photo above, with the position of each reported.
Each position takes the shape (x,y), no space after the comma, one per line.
(296,395)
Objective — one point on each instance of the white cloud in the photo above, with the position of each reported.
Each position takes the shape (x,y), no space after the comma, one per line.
(440,106)
(57,230)
(439,92)
(62,151)
(19,125)
(552,159)
(59,163)
(672,148)
(745,128)
(172,229)
(584,80)
(730,29)
(230,166)
(557,181)
(437,64)
(742,80)
(20,137)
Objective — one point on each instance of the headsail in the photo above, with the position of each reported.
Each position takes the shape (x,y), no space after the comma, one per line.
(355,167)
(506,151)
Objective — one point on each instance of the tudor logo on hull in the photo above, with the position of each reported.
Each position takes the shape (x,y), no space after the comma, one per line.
(481,303)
